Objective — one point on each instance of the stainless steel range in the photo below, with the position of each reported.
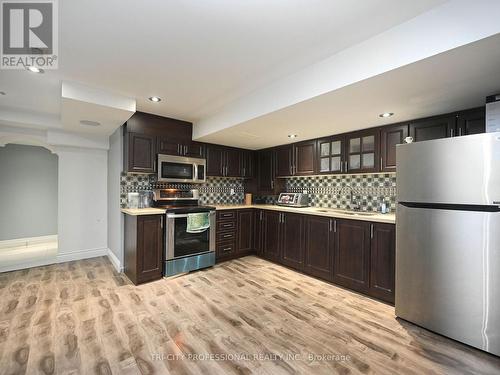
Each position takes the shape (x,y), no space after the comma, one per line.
(189,231)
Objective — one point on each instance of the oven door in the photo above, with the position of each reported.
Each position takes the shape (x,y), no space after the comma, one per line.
(180,243)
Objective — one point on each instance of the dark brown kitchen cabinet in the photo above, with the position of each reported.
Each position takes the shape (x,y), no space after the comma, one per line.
(226,234)
(331,155)
(168,146)
(362,151)
(232,162)
(319,246)
(292,240)
(223,161)
(266,171)
(271,235)
(247,164)
(382,261)
(304,158)
(143,248)
(140,155)
(284,161)
(194,150)
(433,128)
(471,122)
(298,159)
(352,254)
(245,230)
(390,136)
(215,160)
(171,146)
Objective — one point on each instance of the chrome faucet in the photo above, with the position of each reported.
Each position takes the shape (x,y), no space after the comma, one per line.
(353,205)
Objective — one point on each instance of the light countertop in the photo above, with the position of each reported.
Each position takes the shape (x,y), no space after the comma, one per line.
(143,211)
(389,218)
(318,211)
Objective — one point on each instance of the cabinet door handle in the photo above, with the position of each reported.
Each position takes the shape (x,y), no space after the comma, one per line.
(380,163)
(185,150)
(227,249)
(272,184)
(335,226)
(260,215)
(161,221)
(452,132)
(346,167)
(331,225)
(371,231)
(460,132)
(227,235)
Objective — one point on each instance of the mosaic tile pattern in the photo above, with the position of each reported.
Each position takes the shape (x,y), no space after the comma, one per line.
(216,190)
(334,191)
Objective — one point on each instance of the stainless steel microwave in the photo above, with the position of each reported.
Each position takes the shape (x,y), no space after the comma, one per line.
(181,169)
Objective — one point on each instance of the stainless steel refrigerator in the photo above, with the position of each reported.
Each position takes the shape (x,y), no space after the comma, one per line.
(448,237)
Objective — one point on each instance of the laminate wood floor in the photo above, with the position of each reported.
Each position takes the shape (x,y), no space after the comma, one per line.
(240,317)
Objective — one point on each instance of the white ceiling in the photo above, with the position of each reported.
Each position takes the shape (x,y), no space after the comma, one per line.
(458,79)
(197,55)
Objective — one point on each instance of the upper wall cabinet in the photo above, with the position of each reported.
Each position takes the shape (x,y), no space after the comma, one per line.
(229,162)
(139,153)
(298,159)
(266,171)
(146,135)
(433,128)
(362,151)
(172,146)
(471,122)
(390,136)
(331,154)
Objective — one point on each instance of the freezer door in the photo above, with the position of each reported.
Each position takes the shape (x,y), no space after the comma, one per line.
(448,273)
(460,170)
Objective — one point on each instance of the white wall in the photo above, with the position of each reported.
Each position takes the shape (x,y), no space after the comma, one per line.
(82,202)
(115,217)
(82,193)
(28,192)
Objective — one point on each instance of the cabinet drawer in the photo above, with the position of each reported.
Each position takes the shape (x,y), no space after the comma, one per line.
(226,248)
(224,226)
(226,215)
(226,236)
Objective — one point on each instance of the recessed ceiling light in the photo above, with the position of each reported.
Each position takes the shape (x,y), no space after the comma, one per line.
(34,69)
(3,93)
(386,114)
(155,99)
(90,123)
(292,136)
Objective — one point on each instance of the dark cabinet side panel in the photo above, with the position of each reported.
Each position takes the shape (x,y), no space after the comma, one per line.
(382,261)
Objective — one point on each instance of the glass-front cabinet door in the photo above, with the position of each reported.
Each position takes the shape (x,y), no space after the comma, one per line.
(363,152)
(331,155)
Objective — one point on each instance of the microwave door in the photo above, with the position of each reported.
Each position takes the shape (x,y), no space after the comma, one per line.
(176,172)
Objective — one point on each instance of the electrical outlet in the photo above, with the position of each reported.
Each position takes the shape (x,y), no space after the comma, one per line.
(232,191)
(304,192)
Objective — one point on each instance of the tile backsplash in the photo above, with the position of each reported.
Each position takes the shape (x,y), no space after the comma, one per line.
(216,190)
(333,191)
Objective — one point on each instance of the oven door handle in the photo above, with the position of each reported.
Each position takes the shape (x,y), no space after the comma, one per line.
(175,216)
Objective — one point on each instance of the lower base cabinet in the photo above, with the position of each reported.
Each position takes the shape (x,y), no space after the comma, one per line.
(352,254)
(292,240)
(143,258)
(382,261)
(235,233)
(319,246)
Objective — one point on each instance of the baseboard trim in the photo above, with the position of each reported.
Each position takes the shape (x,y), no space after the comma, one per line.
(59,258)
(81,254)
(115,261)
(28,241)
